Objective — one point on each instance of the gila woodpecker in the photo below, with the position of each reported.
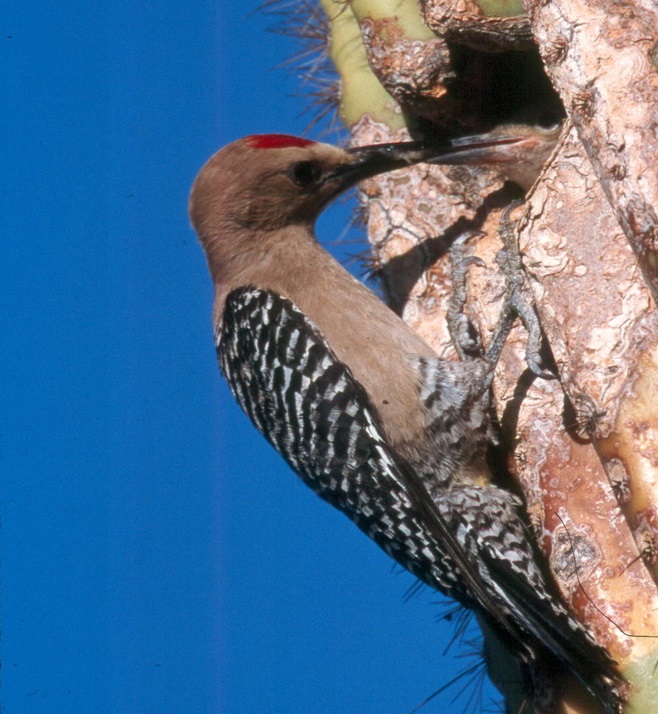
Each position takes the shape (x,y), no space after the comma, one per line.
(518,151)
(359,405)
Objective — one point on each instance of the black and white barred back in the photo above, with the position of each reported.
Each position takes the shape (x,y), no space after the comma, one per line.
(319,418)
(466,541)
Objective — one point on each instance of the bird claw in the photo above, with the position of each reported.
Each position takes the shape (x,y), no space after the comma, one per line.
(474,260)
(464,337)
(517,302)
(526,312)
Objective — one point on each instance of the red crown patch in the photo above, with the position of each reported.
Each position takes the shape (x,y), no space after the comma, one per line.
(276,141)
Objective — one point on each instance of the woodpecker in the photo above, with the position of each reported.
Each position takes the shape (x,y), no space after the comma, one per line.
(516,150)
(359,405)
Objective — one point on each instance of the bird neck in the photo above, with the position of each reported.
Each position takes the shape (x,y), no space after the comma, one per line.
(357,326)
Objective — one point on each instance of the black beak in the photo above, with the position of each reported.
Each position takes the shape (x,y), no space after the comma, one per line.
(511,144)
(386,157)
(367,161)
(480,149)
(375,159)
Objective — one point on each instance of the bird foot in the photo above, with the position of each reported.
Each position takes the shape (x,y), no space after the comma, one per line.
(518,302)
(464,336)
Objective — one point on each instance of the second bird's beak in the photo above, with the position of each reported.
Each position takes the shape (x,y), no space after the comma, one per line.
(517,151)
(520,150)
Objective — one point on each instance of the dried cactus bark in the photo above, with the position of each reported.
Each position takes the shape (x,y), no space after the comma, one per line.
(585,448)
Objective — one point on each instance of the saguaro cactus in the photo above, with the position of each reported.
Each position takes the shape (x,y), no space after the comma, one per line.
(583,448)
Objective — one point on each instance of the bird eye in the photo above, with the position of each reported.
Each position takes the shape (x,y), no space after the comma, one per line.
(549,119)
(304,173)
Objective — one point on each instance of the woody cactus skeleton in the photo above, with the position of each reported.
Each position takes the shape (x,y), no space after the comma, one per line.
(585,448)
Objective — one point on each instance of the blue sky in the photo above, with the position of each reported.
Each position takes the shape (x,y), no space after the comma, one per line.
(157,556)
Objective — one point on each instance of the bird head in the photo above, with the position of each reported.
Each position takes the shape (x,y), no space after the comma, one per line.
(268,181)
(517,150)
(252,191)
